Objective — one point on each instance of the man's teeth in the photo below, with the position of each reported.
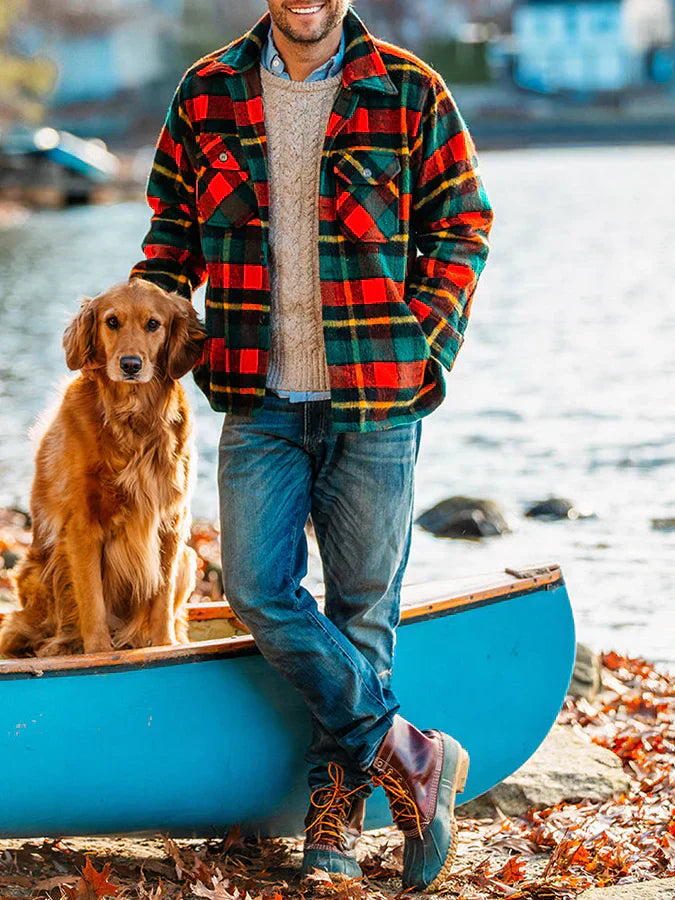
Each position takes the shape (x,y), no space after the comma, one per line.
(305,10)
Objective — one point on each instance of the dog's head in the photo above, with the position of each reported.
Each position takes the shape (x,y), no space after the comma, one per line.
(135,332)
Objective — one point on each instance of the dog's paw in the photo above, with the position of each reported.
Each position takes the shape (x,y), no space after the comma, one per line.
(162,637)
(100,643)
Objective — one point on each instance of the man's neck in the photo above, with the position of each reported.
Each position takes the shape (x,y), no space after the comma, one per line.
(301,59)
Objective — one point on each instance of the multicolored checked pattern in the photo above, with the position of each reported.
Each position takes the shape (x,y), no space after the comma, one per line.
(403,228)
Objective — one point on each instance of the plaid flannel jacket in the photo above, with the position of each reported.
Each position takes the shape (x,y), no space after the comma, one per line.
(403,227)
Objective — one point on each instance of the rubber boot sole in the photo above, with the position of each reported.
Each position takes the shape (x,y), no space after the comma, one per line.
(458,786)
(330,863)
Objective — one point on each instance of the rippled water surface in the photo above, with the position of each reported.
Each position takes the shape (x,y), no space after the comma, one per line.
(565,384)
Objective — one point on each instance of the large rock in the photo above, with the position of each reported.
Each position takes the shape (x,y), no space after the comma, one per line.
(566,768)
(663,524)
(557,508)
(10,558)
(464,517)
(480,807)
(587,676)
(658,889)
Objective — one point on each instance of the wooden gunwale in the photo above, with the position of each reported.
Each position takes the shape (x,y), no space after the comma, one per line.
(415,607)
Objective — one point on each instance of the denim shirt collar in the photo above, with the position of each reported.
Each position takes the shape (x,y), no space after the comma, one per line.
(273,62)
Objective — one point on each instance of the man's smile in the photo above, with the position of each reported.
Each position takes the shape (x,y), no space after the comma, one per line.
(306,10)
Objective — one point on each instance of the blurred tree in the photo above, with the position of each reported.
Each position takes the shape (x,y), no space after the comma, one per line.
(210,24)
(392,19)
(24,81)
(442,32)
(412,25)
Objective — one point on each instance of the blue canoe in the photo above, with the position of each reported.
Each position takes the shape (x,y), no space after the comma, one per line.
(191,740)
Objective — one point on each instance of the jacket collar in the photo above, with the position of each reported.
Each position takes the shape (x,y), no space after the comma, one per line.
(364,68)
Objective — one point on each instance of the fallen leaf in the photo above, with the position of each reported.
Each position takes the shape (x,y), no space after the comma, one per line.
(513,871)
(48,884)
(217,891)
(92,885)
(15,881)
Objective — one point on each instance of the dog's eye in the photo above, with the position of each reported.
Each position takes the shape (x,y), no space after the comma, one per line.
(153,325)
(113,323)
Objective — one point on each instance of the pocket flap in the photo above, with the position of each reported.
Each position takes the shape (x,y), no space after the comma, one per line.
(217,152)
(367,166)
(225,195)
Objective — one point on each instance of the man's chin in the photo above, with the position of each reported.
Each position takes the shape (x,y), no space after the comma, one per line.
(305,39)
(309,32)
(305,36)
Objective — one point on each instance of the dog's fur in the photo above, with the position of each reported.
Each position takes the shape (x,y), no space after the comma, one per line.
(109,565)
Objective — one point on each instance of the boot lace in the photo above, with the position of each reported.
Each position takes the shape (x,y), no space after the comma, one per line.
(331,804)
(404,810)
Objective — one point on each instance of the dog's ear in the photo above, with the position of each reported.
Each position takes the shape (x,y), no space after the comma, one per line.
(79,338)
(185,341)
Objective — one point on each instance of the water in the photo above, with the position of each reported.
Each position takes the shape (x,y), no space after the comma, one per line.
(564,386)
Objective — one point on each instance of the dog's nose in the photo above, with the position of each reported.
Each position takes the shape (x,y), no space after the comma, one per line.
(131,365)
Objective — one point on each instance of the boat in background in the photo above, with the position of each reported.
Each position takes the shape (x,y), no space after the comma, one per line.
(190,740)
(52,168)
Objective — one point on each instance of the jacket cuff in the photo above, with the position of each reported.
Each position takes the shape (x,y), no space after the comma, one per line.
(157,272)
(444,340)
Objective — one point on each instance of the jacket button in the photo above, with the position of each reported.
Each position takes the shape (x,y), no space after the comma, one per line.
(223,157)
(367,173)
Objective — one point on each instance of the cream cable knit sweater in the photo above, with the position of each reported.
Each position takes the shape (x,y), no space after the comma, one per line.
(296,119)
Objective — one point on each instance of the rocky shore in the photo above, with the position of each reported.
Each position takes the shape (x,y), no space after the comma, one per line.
(590,815)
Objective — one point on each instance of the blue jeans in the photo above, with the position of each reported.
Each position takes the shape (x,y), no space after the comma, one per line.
(274,470)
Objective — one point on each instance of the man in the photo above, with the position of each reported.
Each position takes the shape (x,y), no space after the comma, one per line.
(326,186)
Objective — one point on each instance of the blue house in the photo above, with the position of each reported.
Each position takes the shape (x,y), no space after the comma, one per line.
(576,46)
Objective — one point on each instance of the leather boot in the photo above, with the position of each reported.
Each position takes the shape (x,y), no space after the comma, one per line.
(333,825)
(421,772)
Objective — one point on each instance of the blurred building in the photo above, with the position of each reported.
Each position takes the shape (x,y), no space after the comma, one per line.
(109,54)
(588,46)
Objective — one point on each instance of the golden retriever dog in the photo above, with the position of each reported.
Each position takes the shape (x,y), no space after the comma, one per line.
(109,566)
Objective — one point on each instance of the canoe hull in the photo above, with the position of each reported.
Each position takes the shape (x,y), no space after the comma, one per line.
(192,748)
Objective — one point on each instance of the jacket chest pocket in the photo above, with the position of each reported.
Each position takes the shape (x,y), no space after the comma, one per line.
(367,194)
(225,196)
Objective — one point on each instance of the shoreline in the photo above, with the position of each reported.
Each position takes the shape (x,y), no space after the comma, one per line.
(548,135)
(594,807)
(498,131)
